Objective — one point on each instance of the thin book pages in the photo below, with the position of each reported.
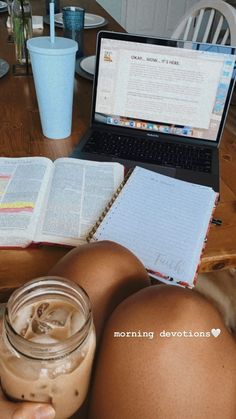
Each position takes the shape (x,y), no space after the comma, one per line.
(53,202)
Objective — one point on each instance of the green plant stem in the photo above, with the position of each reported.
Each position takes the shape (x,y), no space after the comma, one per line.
(24,39)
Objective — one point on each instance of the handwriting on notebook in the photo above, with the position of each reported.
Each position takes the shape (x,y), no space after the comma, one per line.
(177,265)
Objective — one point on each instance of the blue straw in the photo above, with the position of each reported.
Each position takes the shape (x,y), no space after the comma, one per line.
(52,22)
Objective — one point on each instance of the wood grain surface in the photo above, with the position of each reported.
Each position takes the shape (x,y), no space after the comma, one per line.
(21,135)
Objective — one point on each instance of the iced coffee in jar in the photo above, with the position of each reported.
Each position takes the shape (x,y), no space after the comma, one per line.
(48,344)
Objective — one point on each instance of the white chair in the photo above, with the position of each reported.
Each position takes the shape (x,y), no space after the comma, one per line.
(212,21)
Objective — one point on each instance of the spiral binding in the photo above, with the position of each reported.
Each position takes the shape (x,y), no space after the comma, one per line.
(109,205)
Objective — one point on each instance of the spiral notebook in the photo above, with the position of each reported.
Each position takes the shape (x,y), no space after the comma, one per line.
(163,221)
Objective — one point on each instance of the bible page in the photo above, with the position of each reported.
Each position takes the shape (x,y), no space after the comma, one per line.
(163,221)
(79,193)
(23,182)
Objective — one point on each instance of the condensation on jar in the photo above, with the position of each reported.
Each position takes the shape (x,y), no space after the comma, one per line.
(48,344)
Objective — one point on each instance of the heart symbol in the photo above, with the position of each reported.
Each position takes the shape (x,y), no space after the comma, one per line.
(215,332)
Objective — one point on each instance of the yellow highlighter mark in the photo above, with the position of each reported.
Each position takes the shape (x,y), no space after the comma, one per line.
(16,206)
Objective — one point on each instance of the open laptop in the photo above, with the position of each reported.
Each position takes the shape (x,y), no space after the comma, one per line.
(160,104)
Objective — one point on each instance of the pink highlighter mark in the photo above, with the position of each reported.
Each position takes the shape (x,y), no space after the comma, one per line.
(28,209)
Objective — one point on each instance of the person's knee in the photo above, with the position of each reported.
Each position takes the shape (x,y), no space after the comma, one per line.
(112,256)
(181,325)
(102,258)
(144,346)
(178,321)
(165,306)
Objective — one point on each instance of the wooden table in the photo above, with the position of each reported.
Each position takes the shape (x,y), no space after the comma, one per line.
(21,135)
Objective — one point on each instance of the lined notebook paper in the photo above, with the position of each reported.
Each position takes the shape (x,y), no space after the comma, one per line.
(163,221)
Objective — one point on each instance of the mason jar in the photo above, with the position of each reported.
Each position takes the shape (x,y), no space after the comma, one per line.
(48,344)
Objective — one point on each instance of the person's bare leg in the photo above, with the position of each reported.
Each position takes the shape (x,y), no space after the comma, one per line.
(165,377)
(107,271)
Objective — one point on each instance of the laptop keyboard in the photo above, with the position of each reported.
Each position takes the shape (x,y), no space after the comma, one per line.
(150,151)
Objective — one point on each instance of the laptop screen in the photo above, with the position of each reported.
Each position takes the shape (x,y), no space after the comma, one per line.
(163,86)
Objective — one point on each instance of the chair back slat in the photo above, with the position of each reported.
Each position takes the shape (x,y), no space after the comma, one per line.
(187,29)
(225,37)
(209,25)
(198,25)
(218,29)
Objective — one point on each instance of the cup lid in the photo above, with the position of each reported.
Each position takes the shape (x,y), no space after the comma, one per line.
(43,45)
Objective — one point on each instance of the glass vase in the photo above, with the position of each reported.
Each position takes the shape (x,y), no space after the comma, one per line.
(22,28)
(9,8)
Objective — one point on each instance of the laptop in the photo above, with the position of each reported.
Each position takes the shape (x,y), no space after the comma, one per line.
(160,104)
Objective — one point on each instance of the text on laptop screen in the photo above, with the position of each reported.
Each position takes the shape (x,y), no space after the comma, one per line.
(162,88)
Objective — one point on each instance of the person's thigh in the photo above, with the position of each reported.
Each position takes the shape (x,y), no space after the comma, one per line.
(159,374)
(109,273)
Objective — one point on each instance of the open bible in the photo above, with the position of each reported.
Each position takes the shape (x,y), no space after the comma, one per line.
(46,202)
(163,221)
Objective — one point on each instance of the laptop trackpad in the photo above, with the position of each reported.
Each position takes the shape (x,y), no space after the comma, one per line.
(168,171)
(163,170)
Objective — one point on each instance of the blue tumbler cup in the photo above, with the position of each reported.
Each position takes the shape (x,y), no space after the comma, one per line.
(53,66)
